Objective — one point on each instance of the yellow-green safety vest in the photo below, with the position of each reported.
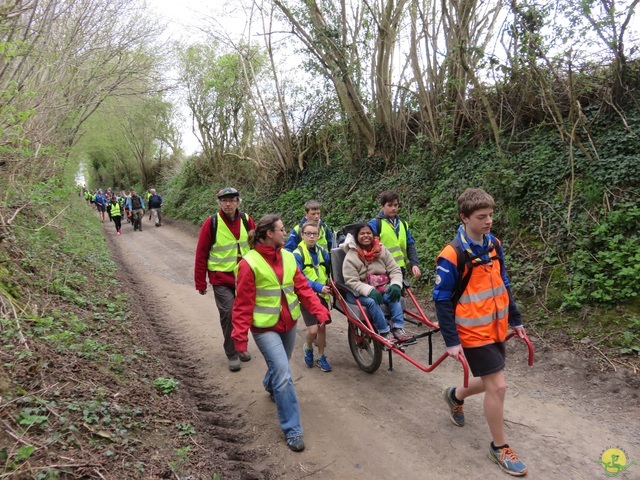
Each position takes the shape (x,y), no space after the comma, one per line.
(116,211)
(395,243)
(269,290)
(223,256)
(314,272)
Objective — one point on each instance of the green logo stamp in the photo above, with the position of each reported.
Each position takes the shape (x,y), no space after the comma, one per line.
(614,462)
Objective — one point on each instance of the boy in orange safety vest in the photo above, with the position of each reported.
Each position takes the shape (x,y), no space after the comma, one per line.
(475,307)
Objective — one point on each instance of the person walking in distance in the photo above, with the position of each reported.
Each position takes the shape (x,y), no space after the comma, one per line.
(223,241)
(475,307)
(136,205)
(272,289)
(115,213)
(100,201)
(155,205)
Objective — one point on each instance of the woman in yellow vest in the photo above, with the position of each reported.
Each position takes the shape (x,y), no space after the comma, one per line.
(272,288)
(115,213)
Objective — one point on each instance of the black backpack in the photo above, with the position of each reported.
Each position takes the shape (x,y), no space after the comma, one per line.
(214,225)
(465,265)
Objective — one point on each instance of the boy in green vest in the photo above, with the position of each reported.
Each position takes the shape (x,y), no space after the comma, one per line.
(314,263)
(312,211)
(394,233)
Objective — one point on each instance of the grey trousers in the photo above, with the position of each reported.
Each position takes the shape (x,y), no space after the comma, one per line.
(225,296)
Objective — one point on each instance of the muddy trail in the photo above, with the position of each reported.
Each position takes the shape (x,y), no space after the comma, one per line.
(561,414)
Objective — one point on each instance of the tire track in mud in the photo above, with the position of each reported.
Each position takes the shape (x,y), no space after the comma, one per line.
(220,427)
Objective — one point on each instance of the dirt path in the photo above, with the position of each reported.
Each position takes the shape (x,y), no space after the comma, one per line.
(561,414)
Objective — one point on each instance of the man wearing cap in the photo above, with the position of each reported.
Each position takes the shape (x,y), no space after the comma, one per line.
(223,241)
(155,205)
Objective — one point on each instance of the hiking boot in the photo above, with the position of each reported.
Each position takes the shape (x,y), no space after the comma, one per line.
(234,364)
(455,411)
(295,444)
(507,460)
(402,336)
(308,356)
(244,356)
(323,364)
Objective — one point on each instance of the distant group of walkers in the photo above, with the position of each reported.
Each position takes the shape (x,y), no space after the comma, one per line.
(130,205)
(264,279)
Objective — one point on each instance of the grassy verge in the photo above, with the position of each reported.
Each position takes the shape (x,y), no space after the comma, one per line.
(80,395)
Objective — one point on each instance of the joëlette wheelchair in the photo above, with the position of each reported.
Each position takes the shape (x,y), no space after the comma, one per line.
(367,345)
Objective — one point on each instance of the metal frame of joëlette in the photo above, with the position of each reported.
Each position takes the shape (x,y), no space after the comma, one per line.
(420,318)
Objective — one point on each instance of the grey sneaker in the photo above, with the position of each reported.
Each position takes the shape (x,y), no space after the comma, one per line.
(455,411)
(508,461)
(402,336)
(234,364)
(388,336)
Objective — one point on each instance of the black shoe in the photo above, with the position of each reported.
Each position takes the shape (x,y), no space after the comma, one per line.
(157,224)
(295,444)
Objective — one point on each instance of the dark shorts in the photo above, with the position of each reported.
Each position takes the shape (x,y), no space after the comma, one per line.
(309,319)
(486,359)
(100,207)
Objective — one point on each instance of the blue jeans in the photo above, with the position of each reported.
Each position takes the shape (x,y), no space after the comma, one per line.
(276,348)
(376,313)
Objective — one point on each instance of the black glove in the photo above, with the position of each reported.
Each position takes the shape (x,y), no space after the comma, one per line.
(394,293)
(377,296)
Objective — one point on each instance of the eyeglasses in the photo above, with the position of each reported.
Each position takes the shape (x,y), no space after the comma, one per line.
(310,234)
(228,201)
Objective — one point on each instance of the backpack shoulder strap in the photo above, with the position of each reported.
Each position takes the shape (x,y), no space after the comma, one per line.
(214,228)
(379,226)
(245,221)
(465,267)
(325,260)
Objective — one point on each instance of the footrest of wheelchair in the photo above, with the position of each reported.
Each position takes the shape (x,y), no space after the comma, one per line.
(406,343)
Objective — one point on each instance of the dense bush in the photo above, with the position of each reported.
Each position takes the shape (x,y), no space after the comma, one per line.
(569,222)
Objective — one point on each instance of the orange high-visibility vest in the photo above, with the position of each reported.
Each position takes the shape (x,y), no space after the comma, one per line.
(482,313)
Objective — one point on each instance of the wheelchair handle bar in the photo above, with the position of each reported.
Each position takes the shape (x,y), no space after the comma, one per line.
(526,340)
